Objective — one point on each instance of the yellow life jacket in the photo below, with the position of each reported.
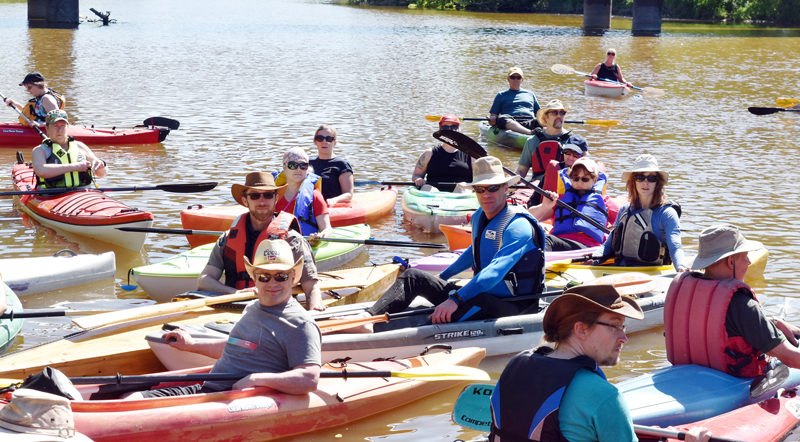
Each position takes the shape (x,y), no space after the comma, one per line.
(34,110)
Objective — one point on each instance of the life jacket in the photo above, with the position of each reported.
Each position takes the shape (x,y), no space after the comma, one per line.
(238,246)
(694,326)
(304,201)
(528,395)
(34,109)
(549,149)
(527,275)
(60,156)
(588,202)
(635,242)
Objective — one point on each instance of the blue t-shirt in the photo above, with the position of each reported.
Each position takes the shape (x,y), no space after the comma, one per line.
(521,102)
(592,410)
(666,225)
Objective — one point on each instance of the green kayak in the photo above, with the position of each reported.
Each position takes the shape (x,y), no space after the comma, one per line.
(9,328)
(163,280)
(429,210)
(507,138)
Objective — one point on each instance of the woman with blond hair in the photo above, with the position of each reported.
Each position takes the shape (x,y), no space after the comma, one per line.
(609,69)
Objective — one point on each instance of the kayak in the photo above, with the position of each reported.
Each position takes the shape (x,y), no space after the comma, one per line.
(459,236)
(20,135)
(365,207)
(404,337)
(441,260)
(122,348)
(84,212)
(260,413)
(163,280)
(9,328)
(606,89)
(680,394)
(428,210)
(65,268)
(506,138)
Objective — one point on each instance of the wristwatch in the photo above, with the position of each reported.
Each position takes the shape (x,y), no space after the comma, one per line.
(453,294)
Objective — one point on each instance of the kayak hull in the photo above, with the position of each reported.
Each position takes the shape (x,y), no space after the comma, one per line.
(441,260)
(365,207)
(9,328)
(19,135)
(459,236)
(606,89)
(505,138)
(429,210)
(27,276)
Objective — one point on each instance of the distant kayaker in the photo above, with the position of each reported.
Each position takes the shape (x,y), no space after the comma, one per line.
(303,197)
(258,194)
(515,109)
(336,173)
(274,344)
(546,143)
(509,244)
(60,161)
(583,192)
(44,100)
(714,319)
(609,69)
(647,231)
(559,393)
(443,163)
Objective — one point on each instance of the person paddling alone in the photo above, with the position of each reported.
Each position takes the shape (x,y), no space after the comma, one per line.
(515,109)
(44,100)
(609,69)
(443,166)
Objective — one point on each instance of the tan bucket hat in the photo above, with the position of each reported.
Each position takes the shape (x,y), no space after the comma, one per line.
(36,416)
(488,171)
(261,181)
(551,105)
(721,241)
(274,255)
(645,163)
(585,298)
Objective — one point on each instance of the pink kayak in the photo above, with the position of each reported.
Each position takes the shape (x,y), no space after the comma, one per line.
(441,260)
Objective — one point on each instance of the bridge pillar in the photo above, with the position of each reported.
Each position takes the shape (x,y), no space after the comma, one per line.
(54,13)
(37,9)
(646,17)
(596,14)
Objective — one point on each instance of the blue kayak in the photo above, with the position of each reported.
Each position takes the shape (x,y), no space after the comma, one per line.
(688,393)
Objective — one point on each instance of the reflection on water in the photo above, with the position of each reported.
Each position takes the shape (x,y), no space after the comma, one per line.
(251,79)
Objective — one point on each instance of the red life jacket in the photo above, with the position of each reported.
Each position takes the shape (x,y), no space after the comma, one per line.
(236,248)
(549,149)
(694,326)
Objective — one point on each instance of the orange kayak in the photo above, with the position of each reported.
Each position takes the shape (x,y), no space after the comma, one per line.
(365,207)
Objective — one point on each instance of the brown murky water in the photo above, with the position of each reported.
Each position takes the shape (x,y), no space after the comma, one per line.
(249,79)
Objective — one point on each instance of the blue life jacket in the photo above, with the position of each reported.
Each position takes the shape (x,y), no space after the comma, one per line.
(304,204)
(587,202)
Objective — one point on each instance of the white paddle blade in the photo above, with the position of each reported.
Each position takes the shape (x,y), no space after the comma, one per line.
(562,70)
(654,91)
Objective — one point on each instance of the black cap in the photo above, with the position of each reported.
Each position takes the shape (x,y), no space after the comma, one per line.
(33,77)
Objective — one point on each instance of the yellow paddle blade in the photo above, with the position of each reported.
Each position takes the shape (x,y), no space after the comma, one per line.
(559,266)
(562,70)
(451,373)
(602,122)
(436,118)
(786,102)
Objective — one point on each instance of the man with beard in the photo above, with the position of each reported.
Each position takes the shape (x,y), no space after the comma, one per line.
(545,144)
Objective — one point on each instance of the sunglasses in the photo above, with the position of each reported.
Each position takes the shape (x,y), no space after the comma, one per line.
(611,53)
(573,153)
(322,138)
(515,77)
(492,189)
(649,178)
(585,179)
(279,277)
(292,165)
(453,127)
(561,112)
(257,196)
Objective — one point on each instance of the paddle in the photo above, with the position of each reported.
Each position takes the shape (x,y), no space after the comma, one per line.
(45,313)
(174,188)
(769,110)
(783,102)
(368,242)
(473,410)
(565,70)
(768,379)
(432,373)
(30,123)
(436,118)
(410,183)
(472,148)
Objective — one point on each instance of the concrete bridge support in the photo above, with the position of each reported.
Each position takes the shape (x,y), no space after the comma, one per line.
(596,14)
(56,13)
(647,17)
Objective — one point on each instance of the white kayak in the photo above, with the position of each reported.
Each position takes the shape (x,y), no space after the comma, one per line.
(26,276)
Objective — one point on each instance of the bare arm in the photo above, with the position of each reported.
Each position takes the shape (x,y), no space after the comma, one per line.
(619,76)
(544,210)
(595,71)
(209,281)
(99,168)
(492,119)
(313,295)
(324,224)
(522,170)
(183,341)
(418,177)
(346,183)
(787,353)
(49,103)
(299,380)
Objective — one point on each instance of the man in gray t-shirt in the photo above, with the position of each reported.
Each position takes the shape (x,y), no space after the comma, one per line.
(276,344)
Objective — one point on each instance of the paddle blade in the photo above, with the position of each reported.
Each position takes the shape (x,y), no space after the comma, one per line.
(337,325)
(473,409)
(783,102)
(187,188)
(627,283)
(461,142)
(433,118)
(769,380)
(764,110)
(562,70)
(163,122)
(654,91)
(606,123)
(451,373)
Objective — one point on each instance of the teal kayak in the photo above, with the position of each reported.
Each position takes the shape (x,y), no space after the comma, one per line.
(507,138)
(428,210)
(163,280)
(9,328)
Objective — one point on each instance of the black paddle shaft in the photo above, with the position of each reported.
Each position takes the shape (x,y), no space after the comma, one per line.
(30,123)
(472,148)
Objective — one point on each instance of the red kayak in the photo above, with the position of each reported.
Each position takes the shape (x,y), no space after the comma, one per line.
(20,135)
(85,212)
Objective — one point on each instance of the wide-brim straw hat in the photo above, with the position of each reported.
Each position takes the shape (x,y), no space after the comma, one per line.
(260,181)
(274,255)
(488,171)
(721,241)
(645,163)
(589,298)
(36,416)
(551,105)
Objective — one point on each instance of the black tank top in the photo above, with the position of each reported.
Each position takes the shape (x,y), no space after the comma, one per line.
(446,167)
(609,73)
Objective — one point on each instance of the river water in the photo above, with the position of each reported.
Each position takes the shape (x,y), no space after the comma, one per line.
(249,79)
